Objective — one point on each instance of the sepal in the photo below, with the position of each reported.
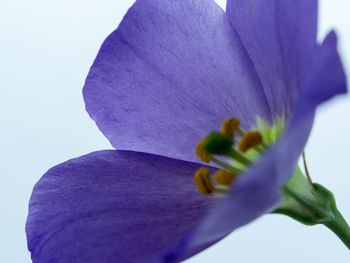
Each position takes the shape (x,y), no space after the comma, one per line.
(312,204)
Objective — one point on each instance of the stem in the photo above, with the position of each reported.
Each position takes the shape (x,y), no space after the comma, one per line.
(312,206)
(341,228)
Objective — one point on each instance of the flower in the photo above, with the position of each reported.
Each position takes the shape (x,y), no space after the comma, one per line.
(170,73)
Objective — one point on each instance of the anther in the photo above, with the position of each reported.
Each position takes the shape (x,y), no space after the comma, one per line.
(201,153)
(225,178)
(203,182)
(250,140)
(230,126)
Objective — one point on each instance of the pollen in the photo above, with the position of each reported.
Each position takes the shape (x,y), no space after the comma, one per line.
(223,177)
(230,126)
(203,182)
(201,153)
(250,140)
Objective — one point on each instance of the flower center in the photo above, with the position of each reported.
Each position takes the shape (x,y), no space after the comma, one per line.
(233,150)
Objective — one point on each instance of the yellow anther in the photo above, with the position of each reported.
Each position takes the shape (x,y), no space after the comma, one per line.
(201,153)
(203,182)
(230,126)
(224,178)
(250,140)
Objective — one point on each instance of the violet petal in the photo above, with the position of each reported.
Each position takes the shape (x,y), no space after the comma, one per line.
(280,37)
(170,74)
(112,206)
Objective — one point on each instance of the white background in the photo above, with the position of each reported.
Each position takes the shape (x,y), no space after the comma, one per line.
(46,49)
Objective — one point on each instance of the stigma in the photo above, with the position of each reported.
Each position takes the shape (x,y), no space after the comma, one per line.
(233,151)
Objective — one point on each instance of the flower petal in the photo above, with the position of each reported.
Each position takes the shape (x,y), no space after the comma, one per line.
(171,73)
(280,37)
(327,77)
(112,206)
(258,191)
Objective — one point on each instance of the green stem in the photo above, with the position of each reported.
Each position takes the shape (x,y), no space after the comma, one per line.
(341,228)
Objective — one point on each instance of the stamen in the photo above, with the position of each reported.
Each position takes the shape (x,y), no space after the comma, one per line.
(224,178)
(250,140)
(230,126)
(203,182)
(226,166)
(201,153)
(231,156)
(206,157)
(239,157)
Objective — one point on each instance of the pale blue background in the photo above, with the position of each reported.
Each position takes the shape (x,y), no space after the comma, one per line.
(46,49)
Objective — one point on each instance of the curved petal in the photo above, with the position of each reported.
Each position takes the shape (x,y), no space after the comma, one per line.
(112,206)
(280,37)
(171,73)
(327,77)
(258,191)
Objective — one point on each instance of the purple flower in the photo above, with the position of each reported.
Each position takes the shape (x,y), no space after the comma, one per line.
(170,74)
